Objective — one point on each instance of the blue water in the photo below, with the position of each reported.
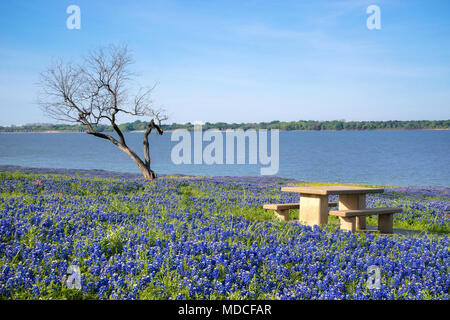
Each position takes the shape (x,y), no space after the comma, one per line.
(416,157)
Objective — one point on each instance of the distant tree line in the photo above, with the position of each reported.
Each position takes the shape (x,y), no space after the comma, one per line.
(309,125)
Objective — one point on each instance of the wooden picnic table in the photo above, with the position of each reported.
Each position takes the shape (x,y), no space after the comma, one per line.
(314,202)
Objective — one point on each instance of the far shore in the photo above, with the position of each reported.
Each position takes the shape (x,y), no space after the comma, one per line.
(214,129)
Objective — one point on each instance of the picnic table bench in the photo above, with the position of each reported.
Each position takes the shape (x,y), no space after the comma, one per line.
(385,218)
(352,212)
(282,209)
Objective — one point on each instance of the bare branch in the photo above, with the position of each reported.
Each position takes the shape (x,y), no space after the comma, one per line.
(95,92)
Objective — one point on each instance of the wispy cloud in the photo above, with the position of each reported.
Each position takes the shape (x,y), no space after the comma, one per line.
(262,30)
(313,39)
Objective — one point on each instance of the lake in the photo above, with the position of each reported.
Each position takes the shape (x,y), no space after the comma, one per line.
(397,157)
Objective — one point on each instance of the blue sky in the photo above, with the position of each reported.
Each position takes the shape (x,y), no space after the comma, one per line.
(244,61)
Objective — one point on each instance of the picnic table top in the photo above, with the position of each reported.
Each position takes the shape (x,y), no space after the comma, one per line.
(326,190)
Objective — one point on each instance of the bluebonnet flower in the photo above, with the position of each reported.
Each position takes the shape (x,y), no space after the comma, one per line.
(201,247)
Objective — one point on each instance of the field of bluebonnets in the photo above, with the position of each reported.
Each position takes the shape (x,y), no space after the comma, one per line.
(207,238)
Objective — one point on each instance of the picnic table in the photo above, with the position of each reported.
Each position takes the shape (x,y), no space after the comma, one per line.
(352,210)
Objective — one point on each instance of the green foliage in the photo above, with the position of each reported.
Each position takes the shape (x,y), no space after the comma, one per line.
(184,197)
(139,125)
(112,242)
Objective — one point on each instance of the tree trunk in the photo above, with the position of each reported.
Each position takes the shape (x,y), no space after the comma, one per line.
(146,172)
(145,169)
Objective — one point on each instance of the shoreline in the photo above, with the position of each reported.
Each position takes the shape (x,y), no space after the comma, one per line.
(215,129)
(101,173)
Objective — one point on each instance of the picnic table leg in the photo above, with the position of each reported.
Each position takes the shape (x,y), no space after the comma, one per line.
(283,215)
(353,202)
(313,209)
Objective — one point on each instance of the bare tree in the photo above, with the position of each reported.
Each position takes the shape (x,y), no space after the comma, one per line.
(96,92)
